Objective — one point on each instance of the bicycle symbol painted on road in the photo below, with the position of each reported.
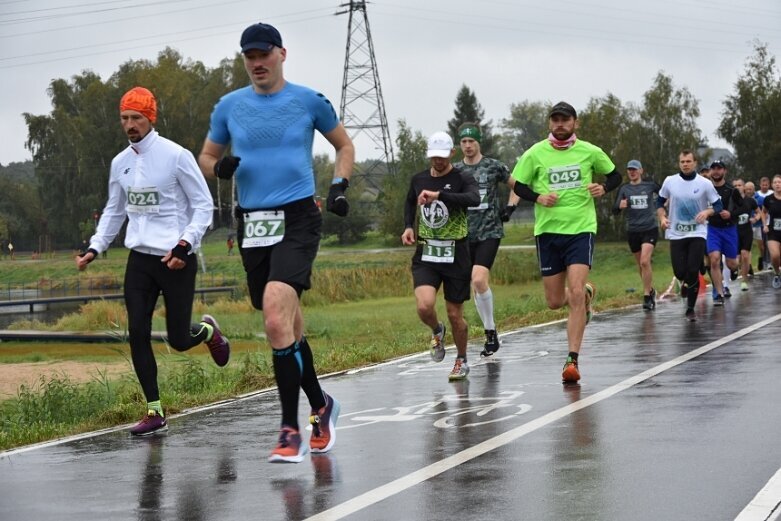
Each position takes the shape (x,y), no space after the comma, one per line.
(487,409)
(420,365)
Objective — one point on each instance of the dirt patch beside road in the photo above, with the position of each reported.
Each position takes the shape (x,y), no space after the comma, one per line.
(14,375)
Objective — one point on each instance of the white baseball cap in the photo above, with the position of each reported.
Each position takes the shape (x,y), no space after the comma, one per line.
(440,144)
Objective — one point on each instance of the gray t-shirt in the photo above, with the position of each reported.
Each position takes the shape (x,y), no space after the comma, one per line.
(641,210)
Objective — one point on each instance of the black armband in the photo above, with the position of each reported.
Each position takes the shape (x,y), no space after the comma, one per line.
(612,181)
(524,192)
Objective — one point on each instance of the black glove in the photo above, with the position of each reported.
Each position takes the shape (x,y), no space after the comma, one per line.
(225,167)
(181,250)
(507,212)
(337,202)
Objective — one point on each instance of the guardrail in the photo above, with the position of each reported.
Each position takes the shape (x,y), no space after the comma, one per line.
(110,296)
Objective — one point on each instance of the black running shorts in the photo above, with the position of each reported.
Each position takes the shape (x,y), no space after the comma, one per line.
(455,277)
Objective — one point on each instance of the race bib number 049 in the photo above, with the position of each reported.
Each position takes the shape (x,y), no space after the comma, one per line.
(263,229)
(439,251)
(143,200)
(564,177)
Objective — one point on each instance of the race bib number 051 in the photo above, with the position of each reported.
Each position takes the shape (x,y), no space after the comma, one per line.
(143,200)
(439,251)
(564,177)
(263,229)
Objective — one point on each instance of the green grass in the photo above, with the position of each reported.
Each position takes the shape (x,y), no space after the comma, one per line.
(361,311)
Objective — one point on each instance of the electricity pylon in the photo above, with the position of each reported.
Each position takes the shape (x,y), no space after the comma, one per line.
(362,108)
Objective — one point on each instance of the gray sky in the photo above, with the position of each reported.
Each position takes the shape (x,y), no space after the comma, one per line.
(505,51)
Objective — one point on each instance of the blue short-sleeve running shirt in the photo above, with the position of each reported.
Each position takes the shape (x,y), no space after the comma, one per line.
(273,135)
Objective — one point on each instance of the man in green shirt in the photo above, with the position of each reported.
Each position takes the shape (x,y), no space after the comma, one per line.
(557,174)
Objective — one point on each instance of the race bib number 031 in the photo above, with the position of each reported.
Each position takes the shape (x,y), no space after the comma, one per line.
(439,251)
(564,177)
(263,229)
(143,200)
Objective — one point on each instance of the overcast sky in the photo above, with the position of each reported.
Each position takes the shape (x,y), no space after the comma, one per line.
(505,51)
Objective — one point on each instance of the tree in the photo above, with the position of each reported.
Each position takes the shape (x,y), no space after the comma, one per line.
(668,118)
(527,124)
(469,109)
(411,159)
(751,120)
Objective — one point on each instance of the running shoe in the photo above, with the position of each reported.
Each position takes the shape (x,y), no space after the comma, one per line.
(690,316)
(491,345)
(570,373)
(718,300)
(219,347)
(437,346)
(649,301)
(727,292)
(591,294)
(776,282)
(324,426)
(151,423)
(744,286)
(733,274)
(714,294)
(289,449)
(460,370)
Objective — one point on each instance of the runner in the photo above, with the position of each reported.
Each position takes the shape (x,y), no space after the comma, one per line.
(764,191)
(557,174)
(756,228)
(270,126)
(485,224)
(772,206)
(442,193)
(722,232)
(688,196)
(637,198)
(156,186)
(747,214)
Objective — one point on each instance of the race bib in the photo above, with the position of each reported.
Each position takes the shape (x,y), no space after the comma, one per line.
(143,200)
(439,251)
(684,227)
(564,177)
(483,200)
(263,228)
(638,202)
(777,225)
(743,218)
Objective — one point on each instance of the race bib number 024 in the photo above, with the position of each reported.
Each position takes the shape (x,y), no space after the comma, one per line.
(143,200)
(564,177)
(263,229)
(439,251)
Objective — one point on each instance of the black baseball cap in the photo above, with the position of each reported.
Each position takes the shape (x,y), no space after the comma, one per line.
(564,109)
(718,164)
(260,36)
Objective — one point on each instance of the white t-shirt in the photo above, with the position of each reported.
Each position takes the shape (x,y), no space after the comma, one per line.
(685,200)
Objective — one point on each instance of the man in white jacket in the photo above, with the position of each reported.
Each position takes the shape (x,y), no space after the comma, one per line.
(157,185)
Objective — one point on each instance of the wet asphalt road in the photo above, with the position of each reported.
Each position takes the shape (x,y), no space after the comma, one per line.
(672,421)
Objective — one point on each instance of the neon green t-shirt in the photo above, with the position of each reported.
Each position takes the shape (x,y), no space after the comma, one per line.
(567,172)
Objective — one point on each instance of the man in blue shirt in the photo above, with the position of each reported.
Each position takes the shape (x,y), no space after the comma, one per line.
(270,127)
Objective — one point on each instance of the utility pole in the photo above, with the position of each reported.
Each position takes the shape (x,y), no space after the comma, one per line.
(362,108)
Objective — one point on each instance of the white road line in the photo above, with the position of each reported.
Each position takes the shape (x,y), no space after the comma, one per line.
(403,483)
(766,505)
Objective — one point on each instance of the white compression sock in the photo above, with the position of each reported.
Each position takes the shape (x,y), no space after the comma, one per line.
(485,308)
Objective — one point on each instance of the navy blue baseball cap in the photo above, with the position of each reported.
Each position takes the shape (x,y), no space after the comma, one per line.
(260,36)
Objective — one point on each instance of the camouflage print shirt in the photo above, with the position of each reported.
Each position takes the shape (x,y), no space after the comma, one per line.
(484,220)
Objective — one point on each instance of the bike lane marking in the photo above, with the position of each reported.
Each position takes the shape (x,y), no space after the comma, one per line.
(766,505)
(403,483)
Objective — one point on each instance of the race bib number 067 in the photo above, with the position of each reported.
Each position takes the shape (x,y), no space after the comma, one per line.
(263,229)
